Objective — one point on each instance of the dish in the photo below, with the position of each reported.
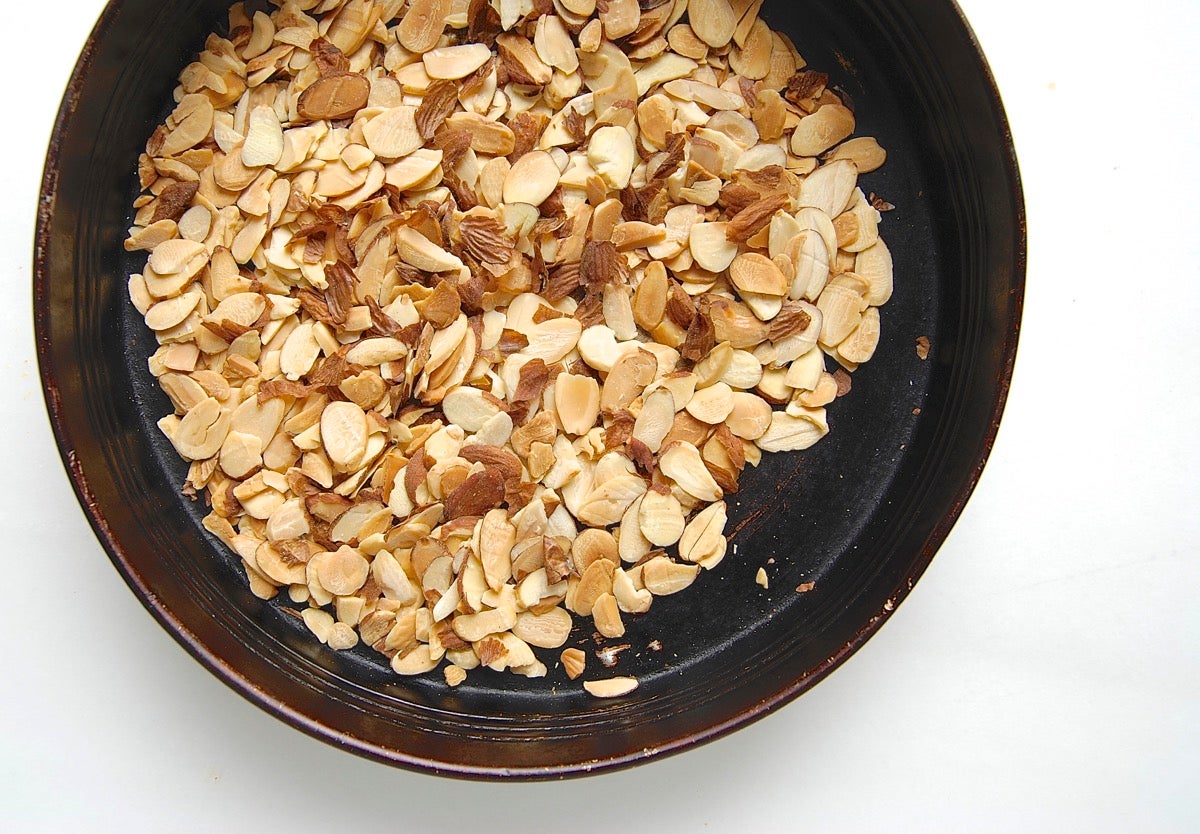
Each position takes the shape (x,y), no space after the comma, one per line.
(870,504)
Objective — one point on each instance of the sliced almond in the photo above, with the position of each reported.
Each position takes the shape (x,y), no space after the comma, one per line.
(611,687)
(577,401)
(454,62)
(531,179)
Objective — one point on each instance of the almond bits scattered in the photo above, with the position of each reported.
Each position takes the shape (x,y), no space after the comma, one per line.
(471,317)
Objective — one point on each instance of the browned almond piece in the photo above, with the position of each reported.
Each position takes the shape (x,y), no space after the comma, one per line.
(755,273)
(573,661)
(422,25)
(334,97)
(820,131)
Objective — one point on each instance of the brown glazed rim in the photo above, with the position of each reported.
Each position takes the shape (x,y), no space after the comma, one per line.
(322,731)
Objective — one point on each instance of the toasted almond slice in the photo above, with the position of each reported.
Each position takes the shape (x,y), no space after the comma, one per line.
(750,416)
(628,378)
(712,404)
(654,421)
(607,616)
(610,687)
(453,62)
(650,297)
(422,24)
(344,433)
(573,661)
(789,433)
(531,179)
(660,518)
(860,345)
(577,401)
(393,133)
(874,265)
(829,188)
(662,577)
(754,273)
(612,155)
(713,21)
(711,247)
(682,463)
(865,152)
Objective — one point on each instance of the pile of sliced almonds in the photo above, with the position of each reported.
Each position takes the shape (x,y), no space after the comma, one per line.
(472,313)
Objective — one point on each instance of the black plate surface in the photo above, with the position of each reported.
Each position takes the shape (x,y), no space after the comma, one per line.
(860,515)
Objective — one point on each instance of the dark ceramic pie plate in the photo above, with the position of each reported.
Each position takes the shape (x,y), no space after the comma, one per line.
(859,516)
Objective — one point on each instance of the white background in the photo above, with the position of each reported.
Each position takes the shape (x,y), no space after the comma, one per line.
(1043,676)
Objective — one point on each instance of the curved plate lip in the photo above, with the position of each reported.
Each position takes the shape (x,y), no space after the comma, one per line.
(323,731)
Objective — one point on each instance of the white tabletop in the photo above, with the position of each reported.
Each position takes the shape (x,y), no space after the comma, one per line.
(1043,676)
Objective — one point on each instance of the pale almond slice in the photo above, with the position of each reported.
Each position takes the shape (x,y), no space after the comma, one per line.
(343,571)
(577,401)
(419,251)
(829,188)
(788,433)
(470,408)
(393,133)
(454,62)
(841,306)
(860,345)
(703,539)
(655,420)
(612,155)
(712,404)
(711,247)
(547,630)
(874,265)
(264,140)
(611,687)
(553,44)
(344,433)
(681,462)
(660,518)
(531,179)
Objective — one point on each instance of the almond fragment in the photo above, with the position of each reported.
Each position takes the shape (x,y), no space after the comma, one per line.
(754,273)
(393,133)
(611,687)
(455,62)
(531,179)
(577,401)
(573,661)
(334,97)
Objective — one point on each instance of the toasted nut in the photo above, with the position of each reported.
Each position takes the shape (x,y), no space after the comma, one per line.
(662,577)
(788,433)
(611,687)
(712,404)
(864,152)
(454,62)
(755,273)
(702,540)
(573,661)
(454,340)
(393,133)
(612,155)
(713,21)
(711,247)
(577,401)
(548,630)
(660,518)
(683,465)
(531,179)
